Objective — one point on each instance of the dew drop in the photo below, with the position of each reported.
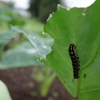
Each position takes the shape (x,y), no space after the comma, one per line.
(37,59)
(44,47)
(43,32)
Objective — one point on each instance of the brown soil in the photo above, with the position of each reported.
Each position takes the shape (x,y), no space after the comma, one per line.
(19,83)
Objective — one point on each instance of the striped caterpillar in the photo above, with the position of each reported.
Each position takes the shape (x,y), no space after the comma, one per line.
(75,61)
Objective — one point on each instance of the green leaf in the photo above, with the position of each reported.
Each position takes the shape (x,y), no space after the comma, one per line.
(41,44)
(70,26)
(4,94)
(22,55)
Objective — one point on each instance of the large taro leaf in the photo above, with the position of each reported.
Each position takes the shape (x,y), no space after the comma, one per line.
(24,54)
(4,94)
(71,26)
(41,44)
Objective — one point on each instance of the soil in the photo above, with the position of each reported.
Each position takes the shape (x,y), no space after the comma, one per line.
(21,87)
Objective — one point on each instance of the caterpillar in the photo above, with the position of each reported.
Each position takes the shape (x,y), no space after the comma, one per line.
(75,61)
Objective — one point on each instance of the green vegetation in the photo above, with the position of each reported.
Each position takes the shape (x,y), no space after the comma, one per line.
(17,51)
(71,26)
(65,27)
